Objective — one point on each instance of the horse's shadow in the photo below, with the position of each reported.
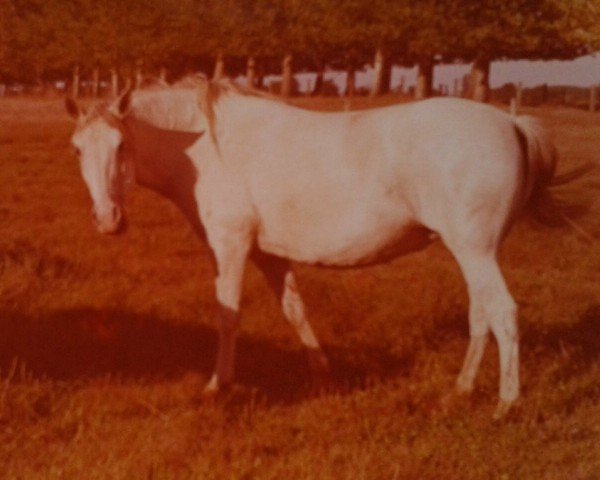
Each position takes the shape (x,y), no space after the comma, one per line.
(71,345)
(80,344)
(576,344)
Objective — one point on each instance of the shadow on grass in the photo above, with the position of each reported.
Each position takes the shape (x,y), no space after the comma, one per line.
(87,343)
(578,344)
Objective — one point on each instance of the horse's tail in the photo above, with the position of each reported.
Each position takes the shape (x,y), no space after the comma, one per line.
(540,158)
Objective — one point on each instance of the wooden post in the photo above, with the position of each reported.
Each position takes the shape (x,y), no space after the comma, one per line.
(76,82)
(383,71)
(95,82)
(424,79)
(251,72)
(287,76)
(219,71)
(319,81)
(401,85)
(593,98)
(480,73)
(350,82)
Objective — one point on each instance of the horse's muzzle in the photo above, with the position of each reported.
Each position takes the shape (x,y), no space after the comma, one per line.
(110,222)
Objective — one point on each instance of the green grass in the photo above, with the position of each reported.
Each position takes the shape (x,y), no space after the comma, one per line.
(105,343)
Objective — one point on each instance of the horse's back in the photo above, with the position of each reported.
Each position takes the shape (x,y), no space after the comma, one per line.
(339,189)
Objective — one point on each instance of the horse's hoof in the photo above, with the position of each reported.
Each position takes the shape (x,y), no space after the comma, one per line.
(318,362)
(463,389)
(502,410)
(215,388)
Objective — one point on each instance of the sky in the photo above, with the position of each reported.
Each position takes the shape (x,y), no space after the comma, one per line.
(581,72)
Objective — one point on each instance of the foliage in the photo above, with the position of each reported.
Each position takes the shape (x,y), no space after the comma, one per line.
(41,40)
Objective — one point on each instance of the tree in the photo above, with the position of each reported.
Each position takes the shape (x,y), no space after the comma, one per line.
(517,29)
(435,31)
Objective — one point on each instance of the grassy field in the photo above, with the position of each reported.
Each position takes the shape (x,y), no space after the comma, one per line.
(105,343)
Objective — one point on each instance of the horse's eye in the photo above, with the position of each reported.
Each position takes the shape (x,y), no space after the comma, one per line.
(77,151)
(121,147)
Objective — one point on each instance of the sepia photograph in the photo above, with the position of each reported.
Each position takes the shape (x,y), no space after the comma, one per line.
(300,239)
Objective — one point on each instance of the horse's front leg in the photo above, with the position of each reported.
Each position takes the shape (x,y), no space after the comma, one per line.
(282,281)
(231,252)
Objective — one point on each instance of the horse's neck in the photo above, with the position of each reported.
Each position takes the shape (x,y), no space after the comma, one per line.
(161,164)
(171,109)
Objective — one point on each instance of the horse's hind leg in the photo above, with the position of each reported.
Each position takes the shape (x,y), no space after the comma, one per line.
(491,307)
(282,281)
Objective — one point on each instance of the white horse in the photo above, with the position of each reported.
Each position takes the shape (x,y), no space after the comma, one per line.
(271,183)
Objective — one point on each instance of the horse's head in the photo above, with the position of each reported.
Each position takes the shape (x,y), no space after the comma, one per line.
(98,140)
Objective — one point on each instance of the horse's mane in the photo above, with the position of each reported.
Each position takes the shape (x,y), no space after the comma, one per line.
(175,106)
(210,92)
(172,107)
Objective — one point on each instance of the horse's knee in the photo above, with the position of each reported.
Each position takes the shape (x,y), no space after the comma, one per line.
(478,324)
(503,321)
(291,302)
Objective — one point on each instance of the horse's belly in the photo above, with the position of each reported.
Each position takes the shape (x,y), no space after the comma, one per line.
(367,242)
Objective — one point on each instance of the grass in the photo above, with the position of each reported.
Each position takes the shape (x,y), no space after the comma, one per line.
(106,342)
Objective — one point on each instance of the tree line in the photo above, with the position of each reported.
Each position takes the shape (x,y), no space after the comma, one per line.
(43,41)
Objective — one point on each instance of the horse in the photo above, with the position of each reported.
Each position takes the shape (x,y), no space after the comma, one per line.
(270,183)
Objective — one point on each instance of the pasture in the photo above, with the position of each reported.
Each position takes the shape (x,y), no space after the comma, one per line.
(106,342)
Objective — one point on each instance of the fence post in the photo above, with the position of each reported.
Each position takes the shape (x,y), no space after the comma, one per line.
(219,70)
(350,82)
(401,85)
(424,79)
(95,82)
(287,76)
(75,86)
(251,72)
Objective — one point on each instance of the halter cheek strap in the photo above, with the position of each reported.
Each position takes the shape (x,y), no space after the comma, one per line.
(128,165)
(128,172)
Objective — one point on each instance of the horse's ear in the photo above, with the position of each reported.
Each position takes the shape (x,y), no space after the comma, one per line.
(124,103)
(72,108)
(207,93)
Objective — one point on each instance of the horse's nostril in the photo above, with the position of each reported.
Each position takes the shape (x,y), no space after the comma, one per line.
(116,214)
